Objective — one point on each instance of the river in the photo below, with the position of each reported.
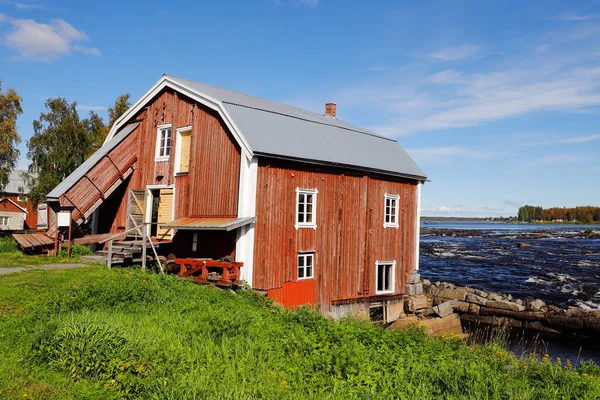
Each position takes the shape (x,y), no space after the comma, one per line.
(561,269)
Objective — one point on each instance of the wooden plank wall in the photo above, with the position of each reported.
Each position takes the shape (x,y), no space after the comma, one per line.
(349,238)
(211,186)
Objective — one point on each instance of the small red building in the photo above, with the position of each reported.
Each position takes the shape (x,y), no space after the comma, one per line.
(319,211)
(16,210)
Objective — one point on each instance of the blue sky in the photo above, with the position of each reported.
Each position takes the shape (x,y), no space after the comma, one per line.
(498,101)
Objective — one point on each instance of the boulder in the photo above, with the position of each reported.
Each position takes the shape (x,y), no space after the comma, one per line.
(444,309)
(439,326)
(480,293)
(494,296)
(492,320)
(523,245)
(538,326)
(522,315)
(476,299)
(474,309)
(404,323)
(416,303)
(426,286)
(534,304)
(413,277)
(415,289)
(563,320)
(461,306)
(454,294)
(587,251)
(505,305)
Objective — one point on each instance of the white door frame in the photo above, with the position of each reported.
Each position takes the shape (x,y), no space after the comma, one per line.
(149,201)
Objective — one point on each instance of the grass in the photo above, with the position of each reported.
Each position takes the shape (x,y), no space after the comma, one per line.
(11,256)
(92,333)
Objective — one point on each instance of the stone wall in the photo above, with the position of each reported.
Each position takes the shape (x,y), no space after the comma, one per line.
(494,309)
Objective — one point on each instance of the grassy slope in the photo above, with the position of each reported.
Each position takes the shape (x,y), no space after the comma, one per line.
(11,256)
(94,333)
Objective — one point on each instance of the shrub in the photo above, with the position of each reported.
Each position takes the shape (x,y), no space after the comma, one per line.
(8,244)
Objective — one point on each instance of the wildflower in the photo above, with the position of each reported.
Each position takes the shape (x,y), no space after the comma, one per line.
(568,365)
(284,383)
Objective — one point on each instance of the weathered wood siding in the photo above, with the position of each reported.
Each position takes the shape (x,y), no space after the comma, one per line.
(16,219)
(349,238)
(210,188)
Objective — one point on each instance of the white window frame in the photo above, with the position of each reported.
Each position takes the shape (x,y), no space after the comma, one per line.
(4,220)
(305,255)
(313,193)
(157,156)
(393,276)
(176,170)
(22,198)
(387,197)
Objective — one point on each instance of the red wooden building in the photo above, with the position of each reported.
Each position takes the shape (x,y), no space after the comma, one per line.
(16,210)
(319,211)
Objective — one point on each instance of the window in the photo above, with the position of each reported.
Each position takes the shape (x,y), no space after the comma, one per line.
(4,221)
(306,208)
(385,276)
(182,159)
(163,143)
(195,242)
(22,198)
(306,264)
(390,218)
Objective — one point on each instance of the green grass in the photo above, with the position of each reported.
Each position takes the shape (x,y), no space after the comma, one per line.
(92,333)
(11,256)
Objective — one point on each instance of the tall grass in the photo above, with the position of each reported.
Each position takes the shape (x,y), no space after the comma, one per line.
(126,334)
(7,244)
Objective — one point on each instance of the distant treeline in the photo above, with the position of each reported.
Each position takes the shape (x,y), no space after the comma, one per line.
(586,214)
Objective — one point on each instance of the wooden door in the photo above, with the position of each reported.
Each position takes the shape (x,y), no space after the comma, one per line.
(135,209)
(165,213)
(184,163)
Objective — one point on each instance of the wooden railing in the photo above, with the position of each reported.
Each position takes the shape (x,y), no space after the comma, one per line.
(141,229)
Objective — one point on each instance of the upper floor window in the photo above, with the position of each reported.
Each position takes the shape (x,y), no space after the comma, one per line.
(163,143)
(306,264)
(385,276)
(4,221)
(306,208)
(182,156)
(390,217)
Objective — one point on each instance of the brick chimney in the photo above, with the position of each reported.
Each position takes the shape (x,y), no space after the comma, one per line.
(330,109)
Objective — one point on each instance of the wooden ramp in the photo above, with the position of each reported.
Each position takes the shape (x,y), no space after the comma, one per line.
(34,241)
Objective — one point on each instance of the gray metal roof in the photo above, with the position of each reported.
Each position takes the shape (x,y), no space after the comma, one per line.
(15,183)
(76,175)
(284,131)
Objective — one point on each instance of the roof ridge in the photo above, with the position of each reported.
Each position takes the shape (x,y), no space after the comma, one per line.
(310,120)
(357,130)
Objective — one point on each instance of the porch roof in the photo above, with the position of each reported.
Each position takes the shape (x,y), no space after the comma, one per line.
(208,223)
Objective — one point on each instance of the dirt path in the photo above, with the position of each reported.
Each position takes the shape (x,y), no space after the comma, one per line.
(4,271)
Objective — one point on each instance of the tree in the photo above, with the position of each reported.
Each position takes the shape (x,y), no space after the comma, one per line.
(100,131)
(10,109)
(61,143)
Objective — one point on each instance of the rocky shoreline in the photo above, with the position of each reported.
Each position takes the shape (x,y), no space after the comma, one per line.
(538,234)
(427,300)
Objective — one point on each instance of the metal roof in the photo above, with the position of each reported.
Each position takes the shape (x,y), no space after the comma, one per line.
(208,223)
(76,175)
(284,131)
(15,183)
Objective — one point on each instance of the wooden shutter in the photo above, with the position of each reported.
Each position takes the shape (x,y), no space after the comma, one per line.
(184,164)
(165,213)
(42,216)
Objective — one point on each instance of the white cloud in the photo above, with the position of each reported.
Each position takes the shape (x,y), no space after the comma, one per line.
(563,159)
(511,203)
(542,48)
(46,42)
(447,77)
(441,154)
(456,53)
(463,211)
(3,18)
(581,139)
(573,16)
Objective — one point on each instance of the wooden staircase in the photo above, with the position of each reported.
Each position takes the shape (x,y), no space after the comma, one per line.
(127,252)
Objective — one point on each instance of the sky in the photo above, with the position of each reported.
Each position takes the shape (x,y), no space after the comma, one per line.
(497,101)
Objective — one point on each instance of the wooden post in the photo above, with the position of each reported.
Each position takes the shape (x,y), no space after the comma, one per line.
(70,230)
(143,247)
(109,256)
(57,233)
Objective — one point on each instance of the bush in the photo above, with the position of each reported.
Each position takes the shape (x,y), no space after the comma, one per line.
(8,244)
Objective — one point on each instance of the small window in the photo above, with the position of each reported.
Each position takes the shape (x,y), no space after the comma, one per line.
(306,265)
(385,276)
(184,137)
(306,208)
(163,143)
(22,198)
(195,242)
(391,211)
(4,221)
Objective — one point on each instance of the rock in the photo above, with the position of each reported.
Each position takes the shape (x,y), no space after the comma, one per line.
(494,321)
(563,320)
(507,297)
(523,245)
(404,323)
(444,309)
(415,289)
(473,298)
(505,305)
(461,306)
(455,294)
(491,242)
(519,301)
(538,326)
(439,326)
(480,293)
(426,286)
(534,304)
(522,315)
(474,309)
(554,309)
(587,251)
(413,277)
(416,303)
(494,296)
